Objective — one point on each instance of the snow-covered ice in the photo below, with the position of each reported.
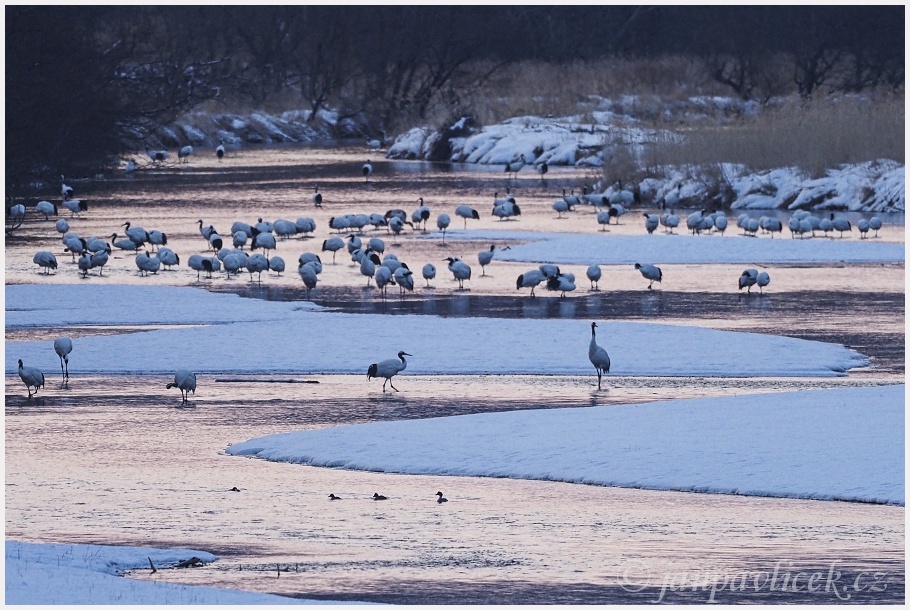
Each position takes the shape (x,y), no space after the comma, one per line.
(83,574)
(243,336)
(841,444)
(606,249)
(37,305)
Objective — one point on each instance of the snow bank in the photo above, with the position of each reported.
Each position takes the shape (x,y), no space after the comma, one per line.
(607,249)
(604,131)
(843,444)
(556,141)
(86,574)
(208,129)
(287,338)
(409,145)
(873,186)
(767,190)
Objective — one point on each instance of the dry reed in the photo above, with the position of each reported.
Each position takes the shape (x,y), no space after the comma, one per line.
(812,135)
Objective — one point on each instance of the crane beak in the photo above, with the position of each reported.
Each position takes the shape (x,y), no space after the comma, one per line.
(407,354)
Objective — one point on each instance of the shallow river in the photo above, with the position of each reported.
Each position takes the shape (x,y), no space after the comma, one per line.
(117,461)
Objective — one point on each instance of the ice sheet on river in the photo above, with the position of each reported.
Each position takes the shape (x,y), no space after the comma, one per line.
(90,574)
(843,444)
(255,336)
(606,249)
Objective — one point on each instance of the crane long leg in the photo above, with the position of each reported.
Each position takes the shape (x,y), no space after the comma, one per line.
(393,387)
(67,370)
(61,368)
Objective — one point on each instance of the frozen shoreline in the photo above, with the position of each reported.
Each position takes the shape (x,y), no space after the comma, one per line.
(236,335)
(840,444)
(92,574)
(605,249)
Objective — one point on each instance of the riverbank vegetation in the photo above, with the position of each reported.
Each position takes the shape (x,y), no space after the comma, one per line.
(75,102)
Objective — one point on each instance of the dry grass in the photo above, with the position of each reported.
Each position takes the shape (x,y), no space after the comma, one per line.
(560,89)
(814,136)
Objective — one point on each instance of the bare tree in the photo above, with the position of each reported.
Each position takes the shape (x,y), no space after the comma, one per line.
(76,102)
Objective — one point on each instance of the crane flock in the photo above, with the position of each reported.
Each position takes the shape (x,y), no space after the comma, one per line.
(152,254)
(151,251)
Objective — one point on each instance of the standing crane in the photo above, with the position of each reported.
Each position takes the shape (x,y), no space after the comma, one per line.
(387,369)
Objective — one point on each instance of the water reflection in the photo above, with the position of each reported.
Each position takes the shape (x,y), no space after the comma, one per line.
(567,308)
(460,305)
(534,307)
(756,303)
(651,303)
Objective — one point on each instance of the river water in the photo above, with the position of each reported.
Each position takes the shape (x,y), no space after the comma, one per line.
(118,461)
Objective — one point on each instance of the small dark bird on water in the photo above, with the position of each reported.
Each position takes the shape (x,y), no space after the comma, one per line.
(441,498)
(376,496)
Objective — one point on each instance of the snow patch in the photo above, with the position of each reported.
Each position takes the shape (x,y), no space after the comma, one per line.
(606,249)
(841,444)
(84,574)
(440,345)
(192,135)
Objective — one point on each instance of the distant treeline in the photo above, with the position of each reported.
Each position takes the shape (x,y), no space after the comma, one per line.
(83,84)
